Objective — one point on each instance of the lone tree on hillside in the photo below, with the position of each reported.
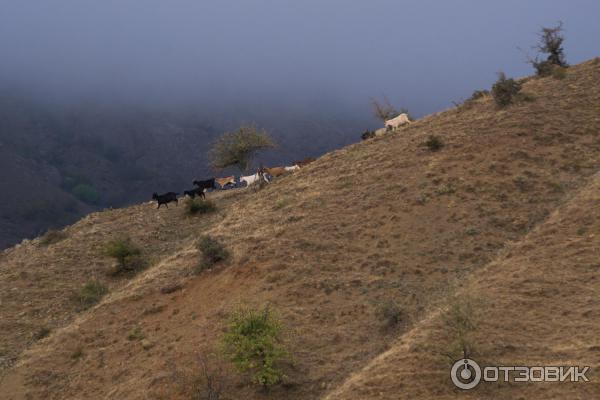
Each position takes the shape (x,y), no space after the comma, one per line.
(238,148)
(383,109)
(551,40)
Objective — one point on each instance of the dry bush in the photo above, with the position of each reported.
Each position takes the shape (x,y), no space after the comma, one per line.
(551,40)
(90,294)
(198,205)
(52,236)
(212,252)
(127,254)
(504,90)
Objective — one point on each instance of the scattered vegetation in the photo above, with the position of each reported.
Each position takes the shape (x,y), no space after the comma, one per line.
(90,294)
(127,254)
(281,203)
(479,94)
(77,354)
(390,313)
(252,343)
(239,148)
(209,382)
(383,110)
(434,143)
(41,333)
(472,231)
(550,44)
(504,90)
(52,236)
(136,334)
(367,135)
(460,324)
(212,251)
(198,205)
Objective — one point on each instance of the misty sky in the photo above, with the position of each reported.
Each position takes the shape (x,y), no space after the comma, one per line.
(421,54)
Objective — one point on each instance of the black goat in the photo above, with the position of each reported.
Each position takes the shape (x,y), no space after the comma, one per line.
(194,192)
(165,198)
(206,184)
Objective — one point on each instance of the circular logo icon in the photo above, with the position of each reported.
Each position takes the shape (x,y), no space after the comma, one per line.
(465,374)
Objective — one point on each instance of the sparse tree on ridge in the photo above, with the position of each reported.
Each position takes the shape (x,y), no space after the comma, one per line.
(238,148)
(383,110)
(551,43)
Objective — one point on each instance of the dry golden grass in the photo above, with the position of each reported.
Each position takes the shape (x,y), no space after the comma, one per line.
(495,211)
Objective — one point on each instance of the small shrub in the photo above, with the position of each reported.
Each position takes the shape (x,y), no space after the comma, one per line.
(281,203)
(90,294)
(213,252)
(504,90)
(127,254)
(391,314)
(199,206)
(77,354)
(52,236)
(478,94)
(252,343)
(472,231)
(41,333)
(559,73)
(209,383)
(460,322)
(434,143)
(136,334)
(367,135)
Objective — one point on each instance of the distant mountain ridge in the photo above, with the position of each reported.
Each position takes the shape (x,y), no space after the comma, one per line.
(58,164)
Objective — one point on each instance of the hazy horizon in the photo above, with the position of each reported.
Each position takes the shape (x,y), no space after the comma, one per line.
(421,56)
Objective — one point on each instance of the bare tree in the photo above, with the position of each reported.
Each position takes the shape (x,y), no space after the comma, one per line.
(550,43)
(383,109)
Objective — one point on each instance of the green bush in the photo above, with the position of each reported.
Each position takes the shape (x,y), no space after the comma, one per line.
(213,252)
(252,343)
(199,206)
(239,148)
(434,143)
(86,193)
(90,294)
(127,254)
(504,90)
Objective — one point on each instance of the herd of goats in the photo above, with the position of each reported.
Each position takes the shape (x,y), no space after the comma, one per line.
(262,174)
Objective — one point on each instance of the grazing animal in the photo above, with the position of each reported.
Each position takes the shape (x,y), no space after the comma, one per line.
(292,168)
(230,180)
(393,123)
(194,192)
(205,184)
(303,163)
(274,171)
(380,132)
(165,198)
(250,179)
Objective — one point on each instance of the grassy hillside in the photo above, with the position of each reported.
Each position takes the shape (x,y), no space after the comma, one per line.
(504,211)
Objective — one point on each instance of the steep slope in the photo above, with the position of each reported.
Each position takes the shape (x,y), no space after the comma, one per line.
(377,222)
(537,303)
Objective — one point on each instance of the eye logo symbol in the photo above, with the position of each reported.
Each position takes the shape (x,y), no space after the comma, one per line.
(465,374)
